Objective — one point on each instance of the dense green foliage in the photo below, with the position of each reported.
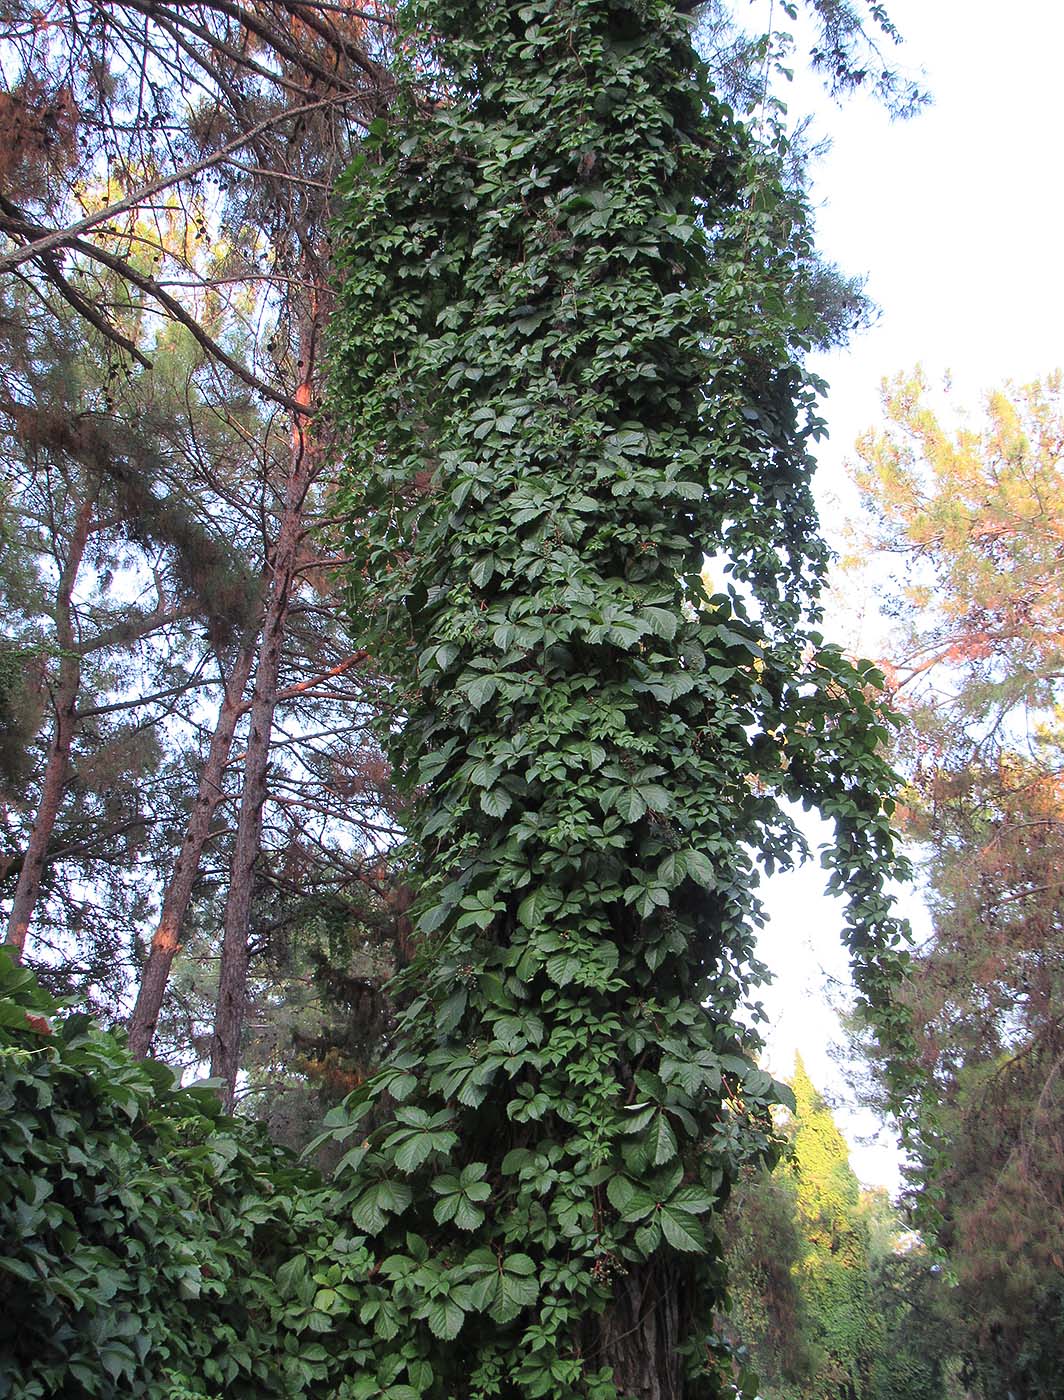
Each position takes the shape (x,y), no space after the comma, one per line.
(568,360)
(142,1236)
(917,1355)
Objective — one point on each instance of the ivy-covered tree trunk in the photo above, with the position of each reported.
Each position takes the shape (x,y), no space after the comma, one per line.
(640,1335)
(568,360)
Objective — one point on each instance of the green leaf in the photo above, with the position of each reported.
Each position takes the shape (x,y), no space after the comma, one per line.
(433,918)
(700,868)
(451,1011)
(467,1216)
(445,1319)
(536,904)
(682,1230)
(20,1269)
(648,1237)
(693,1199)
(518,1288)
(515,1159)
(638,1206)
(662,622)
(471,1174)
(563,967)
(482,570)
(785,1096)
(656,797)
(420,1374)
(661,1141)
(414,1148)
(480,691)
(637,1117)
(630,805)
(496,802)
(619,1191)
(673,869)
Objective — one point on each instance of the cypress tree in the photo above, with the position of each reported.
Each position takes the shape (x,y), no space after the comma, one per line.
(834,1275)
(567,361)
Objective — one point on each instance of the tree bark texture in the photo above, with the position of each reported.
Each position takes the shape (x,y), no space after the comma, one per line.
(64,702)
(639,1334)
(233,969)
(166,940)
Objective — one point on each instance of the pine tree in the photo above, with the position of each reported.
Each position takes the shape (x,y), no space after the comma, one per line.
(969,514)
(123,569)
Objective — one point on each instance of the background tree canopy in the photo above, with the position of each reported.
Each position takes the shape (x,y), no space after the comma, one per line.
(830,1290)
(971,518)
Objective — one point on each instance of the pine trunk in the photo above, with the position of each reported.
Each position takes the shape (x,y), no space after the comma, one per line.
(233,969)
(166,941)
(64,700)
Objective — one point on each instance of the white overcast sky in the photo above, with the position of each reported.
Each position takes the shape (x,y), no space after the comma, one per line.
(955,219)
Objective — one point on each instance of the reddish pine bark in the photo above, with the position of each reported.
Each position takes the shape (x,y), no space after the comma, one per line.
(64,701)
(166,940)
(233,969)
